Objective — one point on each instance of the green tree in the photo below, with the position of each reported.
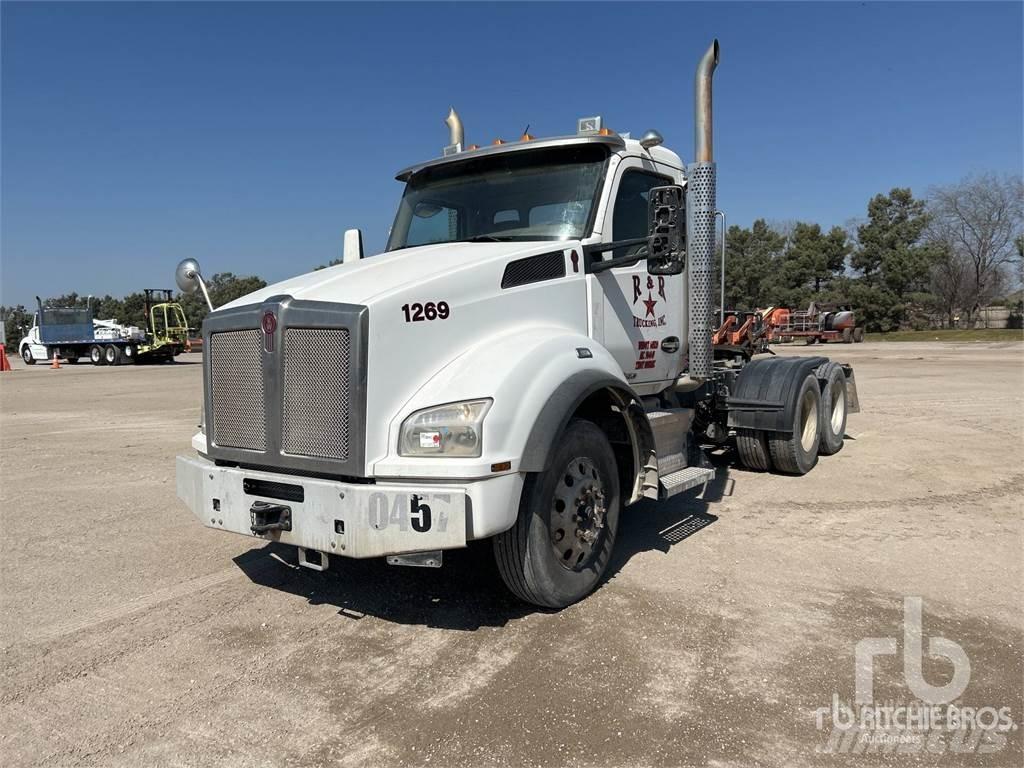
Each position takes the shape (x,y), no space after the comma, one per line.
(751,255)
(813,258)
(17,320)
(890,253)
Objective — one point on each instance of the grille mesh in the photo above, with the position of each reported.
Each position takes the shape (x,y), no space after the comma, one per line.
(239,419)
(316,393)
(700,212)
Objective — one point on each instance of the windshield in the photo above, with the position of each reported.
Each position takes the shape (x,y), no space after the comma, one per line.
(546,194)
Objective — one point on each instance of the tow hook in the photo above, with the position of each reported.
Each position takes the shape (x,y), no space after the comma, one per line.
(270,517)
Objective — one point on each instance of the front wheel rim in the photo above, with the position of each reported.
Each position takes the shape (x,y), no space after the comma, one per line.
(578,518)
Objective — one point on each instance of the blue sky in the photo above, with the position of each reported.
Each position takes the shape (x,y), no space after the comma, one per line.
(250,136)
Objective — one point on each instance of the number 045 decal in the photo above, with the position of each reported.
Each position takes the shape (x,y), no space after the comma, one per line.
(415,313)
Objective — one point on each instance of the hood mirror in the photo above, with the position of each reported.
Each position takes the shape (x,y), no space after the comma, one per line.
(189,279)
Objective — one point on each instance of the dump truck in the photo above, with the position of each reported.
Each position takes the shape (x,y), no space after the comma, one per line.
(530,355)
(70,333)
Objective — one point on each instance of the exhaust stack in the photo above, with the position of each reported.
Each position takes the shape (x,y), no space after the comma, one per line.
(703,144)
(700,218)
(455,132)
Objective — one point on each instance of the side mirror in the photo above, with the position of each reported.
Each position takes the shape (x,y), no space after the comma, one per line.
(189,279)
(353,249)
(666,247)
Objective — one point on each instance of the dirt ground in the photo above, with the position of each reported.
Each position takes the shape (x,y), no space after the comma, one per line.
(132,635)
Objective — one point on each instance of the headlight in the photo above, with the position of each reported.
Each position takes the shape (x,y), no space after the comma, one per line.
(455,429)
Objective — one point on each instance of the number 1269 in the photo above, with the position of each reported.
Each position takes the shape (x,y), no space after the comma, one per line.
(415,313)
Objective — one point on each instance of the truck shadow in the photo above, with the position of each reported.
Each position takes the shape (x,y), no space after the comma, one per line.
(467,592)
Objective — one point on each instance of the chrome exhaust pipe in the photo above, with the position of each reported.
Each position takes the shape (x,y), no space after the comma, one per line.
(701,205)
(703,149)
(455,132)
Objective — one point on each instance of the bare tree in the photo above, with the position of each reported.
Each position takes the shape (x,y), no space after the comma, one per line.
(976,221)
(948,282)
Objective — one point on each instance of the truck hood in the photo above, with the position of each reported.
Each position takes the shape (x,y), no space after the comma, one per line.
(383,274)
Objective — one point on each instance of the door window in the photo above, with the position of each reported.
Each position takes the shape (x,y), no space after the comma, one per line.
(629,217)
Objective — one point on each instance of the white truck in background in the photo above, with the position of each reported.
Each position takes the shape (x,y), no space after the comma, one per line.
(531,354)
(70,333)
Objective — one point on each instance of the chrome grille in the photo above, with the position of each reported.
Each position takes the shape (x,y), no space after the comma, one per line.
(316,392)
(236,375)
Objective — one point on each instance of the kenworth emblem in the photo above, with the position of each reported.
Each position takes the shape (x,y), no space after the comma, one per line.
(269,324)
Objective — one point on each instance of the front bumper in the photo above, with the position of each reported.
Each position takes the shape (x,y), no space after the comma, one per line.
(351,519)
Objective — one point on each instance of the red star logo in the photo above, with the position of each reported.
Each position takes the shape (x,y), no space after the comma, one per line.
(649,303)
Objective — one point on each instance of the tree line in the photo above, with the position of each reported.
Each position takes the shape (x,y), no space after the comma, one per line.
(911,262)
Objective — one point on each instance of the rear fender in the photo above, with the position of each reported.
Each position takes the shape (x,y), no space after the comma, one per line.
(764,396)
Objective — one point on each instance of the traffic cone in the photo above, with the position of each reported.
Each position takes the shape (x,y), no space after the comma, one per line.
(5,364)
(56,361)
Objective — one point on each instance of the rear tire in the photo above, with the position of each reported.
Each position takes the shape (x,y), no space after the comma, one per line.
(96,355)
(833,408)
(858,335)
(847,335)
(561,543)
(796,453)
(752,446)
(26,355)
(111,355)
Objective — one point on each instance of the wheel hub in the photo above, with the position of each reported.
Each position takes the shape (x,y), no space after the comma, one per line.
(578,514)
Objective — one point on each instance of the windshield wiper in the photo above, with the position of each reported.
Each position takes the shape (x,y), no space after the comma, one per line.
(484,239)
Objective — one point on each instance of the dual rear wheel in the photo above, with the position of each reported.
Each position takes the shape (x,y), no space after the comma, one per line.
(110,354)
(819,424)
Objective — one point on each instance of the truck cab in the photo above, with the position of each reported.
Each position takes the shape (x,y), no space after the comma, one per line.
(530,354)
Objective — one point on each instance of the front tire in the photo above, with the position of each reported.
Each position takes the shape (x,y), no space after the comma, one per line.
(561,543)
(26,355)
(796,452)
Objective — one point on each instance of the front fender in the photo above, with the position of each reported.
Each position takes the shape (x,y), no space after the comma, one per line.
(534,376)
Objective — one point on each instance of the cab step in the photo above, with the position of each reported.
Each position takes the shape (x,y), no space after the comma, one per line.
(684,479)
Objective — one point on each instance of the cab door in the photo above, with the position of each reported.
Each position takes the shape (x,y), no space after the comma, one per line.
(641,316)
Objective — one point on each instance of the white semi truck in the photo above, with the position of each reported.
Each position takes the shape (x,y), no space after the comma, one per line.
(531,354)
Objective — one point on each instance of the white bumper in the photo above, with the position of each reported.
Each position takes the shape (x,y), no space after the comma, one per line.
(353,519)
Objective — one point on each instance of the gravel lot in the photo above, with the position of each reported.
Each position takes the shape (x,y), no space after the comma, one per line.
(132,635)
